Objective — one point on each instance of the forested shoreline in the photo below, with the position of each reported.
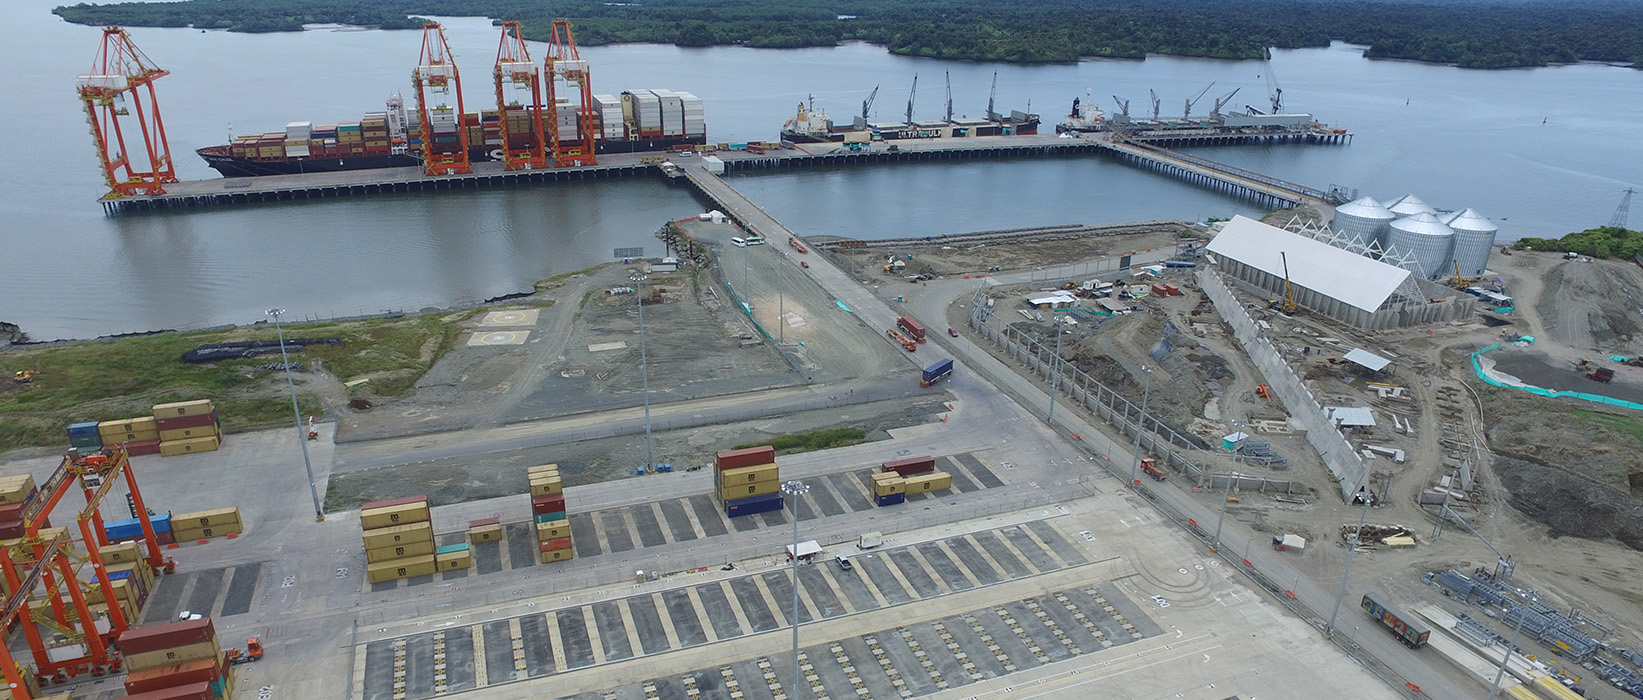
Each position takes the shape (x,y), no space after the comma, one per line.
(1469,35)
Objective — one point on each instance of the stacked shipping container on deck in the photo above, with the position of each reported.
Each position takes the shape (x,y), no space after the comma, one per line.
(548,511)
(176,661)
(399,539)
(904,476)
(187,427)
(747,481)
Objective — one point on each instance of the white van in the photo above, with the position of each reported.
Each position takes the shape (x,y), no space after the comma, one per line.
(738,242)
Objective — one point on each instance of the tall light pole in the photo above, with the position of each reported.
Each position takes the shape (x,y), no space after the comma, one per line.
(1140,421)
(1055,365)
(1225,499)
(794,489)
(781,303)
(1329,630)
(302,435)
(644,375)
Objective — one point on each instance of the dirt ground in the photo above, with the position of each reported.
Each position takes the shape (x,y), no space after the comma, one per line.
(1006,251)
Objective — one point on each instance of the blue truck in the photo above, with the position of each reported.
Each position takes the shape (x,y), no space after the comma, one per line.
(936,372)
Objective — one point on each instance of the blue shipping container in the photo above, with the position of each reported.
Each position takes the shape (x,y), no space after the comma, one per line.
(753,504)
(936,372)
(550,517)
(891,499)
(130,528)
(117,575)
(82,429)
(447,549)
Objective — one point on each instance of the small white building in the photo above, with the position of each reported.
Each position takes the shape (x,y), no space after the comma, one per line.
(669,264)
(1058,299)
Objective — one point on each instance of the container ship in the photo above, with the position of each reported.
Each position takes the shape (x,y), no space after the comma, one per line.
(811,125)
(637,120)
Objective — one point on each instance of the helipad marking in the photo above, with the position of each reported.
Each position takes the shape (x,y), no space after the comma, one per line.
(526,317)
(499,338)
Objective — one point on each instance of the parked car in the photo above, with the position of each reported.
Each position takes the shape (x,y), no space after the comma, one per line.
(844,562)
(952,332)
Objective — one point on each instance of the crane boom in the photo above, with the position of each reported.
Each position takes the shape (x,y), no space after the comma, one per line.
(991,115)
(867,104)
(949,76)
(910,94)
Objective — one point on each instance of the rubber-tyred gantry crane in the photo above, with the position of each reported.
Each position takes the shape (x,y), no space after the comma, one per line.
(121,84)
(523,145)
(439,106)
(565,63)
(47,555)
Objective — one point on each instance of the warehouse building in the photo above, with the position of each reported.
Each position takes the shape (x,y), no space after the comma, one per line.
(1337,283)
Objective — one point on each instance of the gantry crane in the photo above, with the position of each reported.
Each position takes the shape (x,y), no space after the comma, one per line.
(523,145)
(46,555)
(565,63)
(436,81)
(121,84)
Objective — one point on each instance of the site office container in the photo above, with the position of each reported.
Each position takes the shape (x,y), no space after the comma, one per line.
(752,456)
(911,465)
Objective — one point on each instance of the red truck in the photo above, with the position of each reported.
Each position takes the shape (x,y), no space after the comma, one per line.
(914,329)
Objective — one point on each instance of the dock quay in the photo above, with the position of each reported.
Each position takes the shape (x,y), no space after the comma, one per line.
(1267,191)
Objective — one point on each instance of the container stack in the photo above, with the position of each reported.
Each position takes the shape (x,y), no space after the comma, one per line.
(296,139)
(611,123)
(452,557)
(131,529)
(747,481)
(374,129)
(913,475)
(16,494)
(188,527)
(442,122)
(131,578)
(673,113)
(566,116)
(350,139)
(84,436)
(187,427)
(548,510)
(140,436)
(642,112)
(695,119)
(179,660)
(399,539)
(486,530)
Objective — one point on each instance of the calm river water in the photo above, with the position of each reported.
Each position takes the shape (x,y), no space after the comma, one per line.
(1456,138)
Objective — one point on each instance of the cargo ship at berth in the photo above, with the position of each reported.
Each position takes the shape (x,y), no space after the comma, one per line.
(638,120)
(811,125)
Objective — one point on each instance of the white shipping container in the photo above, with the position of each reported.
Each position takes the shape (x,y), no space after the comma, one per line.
(673,113)
(299,130)
(714,165)
(296,151)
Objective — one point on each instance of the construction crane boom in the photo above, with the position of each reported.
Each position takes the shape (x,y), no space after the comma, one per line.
(1288,306)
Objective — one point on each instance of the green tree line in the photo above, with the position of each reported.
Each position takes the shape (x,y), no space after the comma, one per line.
(1600,242)
(1472,35)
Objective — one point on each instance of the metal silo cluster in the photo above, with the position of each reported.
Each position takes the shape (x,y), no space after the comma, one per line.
(1409,232)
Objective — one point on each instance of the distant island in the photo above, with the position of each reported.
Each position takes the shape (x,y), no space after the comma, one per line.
(1466,34)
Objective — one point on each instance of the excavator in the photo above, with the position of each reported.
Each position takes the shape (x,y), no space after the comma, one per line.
(24,376)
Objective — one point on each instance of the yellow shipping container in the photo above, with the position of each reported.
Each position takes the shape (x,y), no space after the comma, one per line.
(139,569)
(889,487)
(198,651)
(929,481)
(542,469)
(16,489)
(395,515)
(399,551)
(552,530)
(145,424)
(453,561)
(206,518)
(183,408)
(182,447)
(200,533)
(117,438)
(399,534)
(129,608)
(547,485)
(400,568)
(734,491)
(558,555)
(123,553)
(176,434)
(748,475)
(485,533)
(122,591)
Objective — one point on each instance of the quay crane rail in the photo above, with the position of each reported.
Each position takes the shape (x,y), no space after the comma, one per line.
(121,84)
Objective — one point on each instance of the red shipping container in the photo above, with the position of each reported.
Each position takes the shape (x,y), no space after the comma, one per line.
(12,512)
(394,502)
(548,504)
(199,421)
(143,447)
(484,521)
(1158,290)
(192,691)
(170,635)
(13,529)
(167,537)
(551,545)
(203,671)
(911,465)
(750,457)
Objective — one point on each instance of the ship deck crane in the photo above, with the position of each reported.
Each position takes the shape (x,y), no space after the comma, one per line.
(1273,91)
(993,92)
(949,97)
(520,119)
(1187,114)
(1155,104)
(910,94)
(121,84)
(565,63)
(1215,112)
(867,104)
(437,84)
(1122,119)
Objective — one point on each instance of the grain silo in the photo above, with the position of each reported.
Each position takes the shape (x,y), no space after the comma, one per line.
(1363,221)
(1474,241)
(1425,241)
(1410,205)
